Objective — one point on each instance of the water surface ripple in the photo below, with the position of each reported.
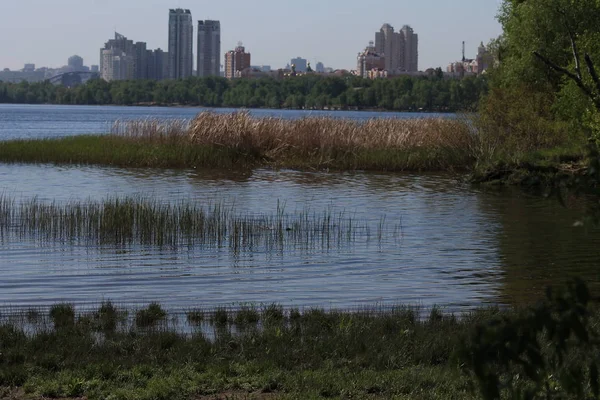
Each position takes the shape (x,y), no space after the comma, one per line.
(448,243)
(457,246)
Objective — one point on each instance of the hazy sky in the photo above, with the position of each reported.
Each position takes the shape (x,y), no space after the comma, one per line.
(47,32)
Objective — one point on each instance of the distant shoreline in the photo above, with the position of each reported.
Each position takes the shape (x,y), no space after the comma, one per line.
(189,106)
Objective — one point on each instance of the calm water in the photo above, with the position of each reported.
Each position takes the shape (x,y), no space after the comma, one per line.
(456,246)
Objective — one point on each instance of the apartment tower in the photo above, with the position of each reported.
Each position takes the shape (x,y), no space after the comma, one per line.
(117,59)
(411,49)
(181,37)
(209,48)
(400,49)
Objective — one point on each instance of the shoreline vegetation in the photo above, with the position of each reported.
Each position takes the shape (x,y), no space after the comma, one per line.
(467,144)
(252,352)
(143,221)
(272,352)
(238,140)
(313,92)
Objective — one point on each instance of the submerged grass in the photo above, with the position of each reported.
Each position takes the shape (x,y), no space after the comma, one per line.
(251,352)
(137,220)
(240,140)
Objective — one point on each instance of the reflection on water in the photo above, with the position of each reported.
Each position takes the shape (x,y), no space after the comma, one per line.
(540,244)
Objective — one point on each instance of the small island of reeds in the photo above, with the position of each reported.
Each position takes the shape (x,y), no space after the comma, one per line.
(239,140)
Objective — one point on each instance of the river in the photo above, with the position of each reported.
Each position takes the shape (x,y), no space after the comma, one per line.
(447,242)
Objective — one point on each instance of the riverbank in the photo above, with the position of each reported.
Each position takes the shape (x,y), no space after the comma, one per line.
(268,352)
(239,140)
(252,352)
(546,170)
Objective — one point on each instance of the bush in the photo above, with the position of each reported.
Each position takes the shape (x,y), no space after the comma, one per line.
(513,121)
(62,315)
(150,316)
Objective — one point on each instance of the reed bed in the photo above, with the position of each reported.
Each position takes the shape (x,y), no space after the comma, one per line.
(139,220)
(239,140)
(389,143)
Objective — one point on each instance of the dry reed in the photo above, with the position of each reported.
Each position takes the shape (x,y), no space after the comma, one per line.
(317,141)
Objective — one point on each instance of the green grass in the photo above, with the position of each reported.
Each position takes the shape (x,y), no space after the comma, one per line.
(266,352)
(138,220)
(250,351)
(544,168)
(105,150)
(110,150)
(239,140)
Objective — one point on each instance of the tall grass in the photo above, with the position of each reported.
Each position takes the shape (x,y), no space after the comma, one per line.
(138,220)
(238,139)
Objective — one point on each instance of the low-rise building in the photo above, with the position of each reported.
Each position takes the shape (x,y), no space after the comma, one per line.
(369,60)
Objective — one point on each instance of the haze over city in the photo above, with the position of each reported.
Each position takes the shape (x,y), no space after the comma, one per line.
(47,33)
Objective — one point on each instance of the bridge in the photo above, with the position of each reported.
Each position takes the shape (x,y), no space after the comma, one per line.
(75,78)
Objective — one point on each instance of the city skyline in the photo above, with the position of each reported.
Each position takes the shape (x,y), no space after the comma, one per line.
(332,33)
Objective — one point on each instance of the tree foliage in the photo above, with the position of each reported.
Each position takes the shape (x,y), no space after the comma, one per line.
(310,92)
(551,48)
(549,351)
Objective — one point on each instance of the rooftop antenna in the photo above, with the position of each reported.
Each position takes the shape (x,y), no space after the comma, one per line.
(463,51)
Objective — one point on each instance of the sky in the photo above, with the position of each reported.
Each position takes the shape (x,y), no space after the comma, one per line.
(47,33)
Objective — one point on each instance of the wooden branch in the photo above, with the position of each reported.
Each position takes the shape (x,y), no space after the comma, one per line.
(592,71)
(563,71)
(572,76)
(575,54)
(574,48)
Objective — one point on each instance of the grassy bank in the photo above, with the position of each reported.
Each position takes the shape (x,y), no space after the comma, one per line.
(544,168)
(267,352)
(239,140)
(264,352)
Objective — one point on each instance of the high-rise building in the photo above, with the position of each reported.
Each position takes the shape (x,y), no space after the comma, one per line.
(209,48)
(140,61)
(121,59)
(158,65)
(411,49)
(117,59)
(116,65)
(389,43)
(320,67)
(181,36)
(236,60)
(400,49)
(75,63)
(300,64)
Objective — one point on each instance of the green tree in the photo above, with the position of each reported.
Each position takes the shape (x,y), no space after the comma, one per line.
(553,45)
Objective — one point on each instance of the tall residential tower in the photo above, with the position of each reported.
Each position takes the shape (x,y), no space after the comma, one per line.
(181,37)
(400,49)
(209,48)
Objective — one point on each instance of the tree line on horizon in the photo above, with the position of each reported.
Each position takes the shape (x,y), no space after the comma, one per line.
(304,92)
